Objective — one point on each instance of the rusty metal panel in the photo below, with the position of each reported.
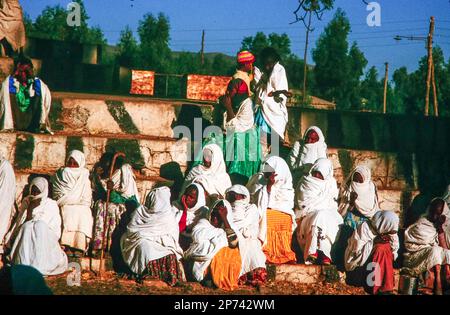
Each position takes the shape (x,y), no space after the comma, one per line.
(142,82)
(205,87)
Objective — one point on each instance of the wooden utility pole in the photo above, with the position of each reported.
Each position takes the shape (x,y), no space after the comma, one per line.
(305,68)
(430,65)
(202,53)
(386,76)
(433,83)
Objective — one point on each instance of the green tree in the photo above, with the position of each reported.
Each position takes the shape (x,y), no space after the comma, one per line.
(371,91)
(128,46)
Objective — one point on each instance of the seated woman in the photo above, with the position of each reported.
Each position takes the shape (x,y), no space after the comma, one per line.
(247,220)
(243,147)
(375,241)
(306,152)
(189,211)
(214,256)
(150,245)
(427,251)
(211,174)
(122,186)
(25,100)
(35,234)
(319,219)
(358,199)
(271,190)
(8,198)
(73,193)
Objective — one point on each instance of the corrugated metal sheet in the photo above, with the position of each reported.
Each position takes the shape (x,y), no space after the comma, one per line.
(142,82)
(205,87)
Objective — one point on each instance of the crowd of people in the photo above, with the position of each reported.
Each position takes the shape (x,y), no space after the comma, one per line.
(221,229)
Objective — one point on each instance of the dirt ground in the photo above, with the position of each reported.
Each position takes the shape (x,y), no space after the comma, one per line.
(111,284)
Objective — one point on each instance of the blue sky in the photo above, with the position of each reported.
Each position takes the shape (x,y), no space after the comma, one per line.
(228,22)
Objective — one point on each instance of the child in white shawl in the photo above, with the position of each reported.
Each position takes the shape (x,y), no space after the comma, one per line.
(35,234)
(272,191)
(247,220)
(150,245)
(427,251)
(211,173)
(375,241)
(358,199)
(73,193)
(306,152)
(7,197)
(319,218)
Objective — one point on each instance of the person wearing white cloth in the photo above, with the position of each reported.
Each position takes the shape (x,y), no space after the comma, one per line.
(320,221)
(12,29)
(150,245)
(214,254)
(427,249)
(375,241)
(272,191)
(7,197)
(306,152)
(35,234)
(358,199)
(211,174)
(246,219)
(73,193)
(25,100)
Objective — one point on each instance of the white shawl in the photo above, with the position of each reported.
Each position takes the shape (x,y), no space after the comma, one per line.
(367,201)
(193,214)
(152,232)
(7,197)
(303,155)
(6,118)
(281,197)
(361,243)
(124,182)
(214,179)
(274,110)
(247,221)
(243,120)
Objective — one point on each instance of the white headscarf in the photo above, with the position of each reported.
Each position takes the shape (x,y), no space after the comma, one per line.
(308,153)
(194,214)
(71,186)
(214,179)
(367,201)
(360,244)
(125,182)
(42,185)
(316,194)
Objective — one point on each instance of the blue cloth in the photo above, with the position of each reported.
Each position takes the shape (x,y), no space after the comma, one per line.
(354,220)
(37,86)
(261,123)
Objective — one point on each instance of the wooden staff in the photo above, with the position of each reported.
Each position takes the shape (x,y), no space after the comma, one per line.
(105,216)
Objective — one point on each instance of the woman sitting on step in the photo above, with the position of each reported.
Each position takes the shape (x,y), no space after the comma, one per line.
(34,237)
(247,220)
(73,192)
(358,199)
(122,187)
(427,250)
(150,245)
(375,242)
(8,198)
(271,190)
(319,220)
(214,258)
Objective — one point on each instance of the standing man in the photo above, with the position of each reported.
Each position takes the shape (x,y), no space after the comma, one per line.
(12,30)
(271,97)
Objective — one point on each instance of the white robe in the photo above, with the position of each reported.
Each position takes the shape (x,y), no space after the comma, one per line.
(319,218)
(73,193)
(124,182)
(215,179)
(367,201)
(7,197)
(360,244)
(281,197)
(193,214)
(243,120)
(152,232)
(35,242)
(303,155)
(6,117)
(274,110)
(246,219)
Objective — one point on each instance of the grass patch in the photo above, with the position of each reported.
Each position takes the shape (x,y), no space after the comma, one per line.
(55,115)
(131,149)
(24,152)
(121,116)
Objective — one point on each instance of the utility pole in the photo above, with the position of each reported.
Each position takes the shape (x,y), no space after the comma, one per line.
(433,83)
(305,68)
(202,53)
(386,76)
(430,66)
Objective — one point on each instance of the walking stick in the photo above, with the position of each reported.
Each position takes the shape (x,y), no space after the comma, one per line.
(105,216)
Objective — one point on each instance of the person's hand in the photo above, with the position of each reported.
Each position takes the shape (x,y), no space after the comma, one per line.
(110,185)
(353,197)
(223,212)
(271,181)
(183,202)
(382,239)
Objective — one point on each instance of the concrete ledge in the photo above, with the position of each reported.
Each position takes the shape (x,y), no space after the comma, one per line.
(305,274)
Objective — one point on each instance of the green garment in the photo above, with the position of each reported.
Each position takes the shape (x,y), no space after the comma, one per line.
(23,96)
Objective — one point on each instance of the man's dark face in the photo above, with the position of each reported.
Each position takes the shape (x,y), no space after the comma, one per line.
(357,177)
(436,210)
(269,64)
(35,191)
